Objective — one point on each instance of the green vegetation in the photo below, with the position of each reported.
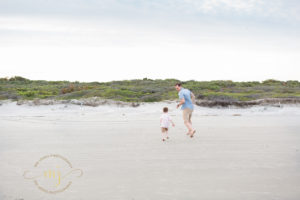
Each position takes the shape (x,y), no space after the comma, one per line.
(146,90)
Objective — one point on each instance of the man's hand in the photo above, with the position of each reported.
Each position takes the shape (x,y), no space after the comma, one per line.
(182,101)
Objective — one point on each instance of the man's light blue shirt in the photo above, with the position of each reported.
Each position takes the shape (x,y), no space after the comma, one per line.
(186,94)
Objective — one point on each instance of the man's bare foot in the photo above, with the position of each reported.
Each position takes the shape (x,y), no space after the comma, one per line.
(192,134)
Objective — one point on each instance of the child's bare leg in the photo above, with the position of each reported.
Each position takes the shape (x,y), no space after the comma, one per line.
(167,135)
(163,134)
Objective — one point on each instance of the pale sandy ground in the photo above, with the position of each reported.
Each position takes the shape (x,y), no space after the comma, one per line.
(253,156)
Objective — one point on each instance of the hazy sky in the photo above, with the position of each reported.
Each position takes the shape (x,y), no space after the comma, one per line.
(103,40)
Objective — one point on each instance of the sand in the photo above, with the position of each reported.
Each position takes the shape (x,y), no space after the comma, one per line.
(236,153)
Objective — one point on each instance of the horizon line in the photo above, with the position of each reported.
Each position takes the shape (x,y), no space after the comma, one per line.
(154,79)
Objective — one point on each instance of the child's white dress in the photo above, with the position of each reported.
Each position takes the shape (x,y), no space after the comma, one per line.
(165,120)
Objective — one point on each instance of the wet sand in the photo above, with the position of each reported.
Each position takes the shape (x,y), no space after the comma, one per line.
(235,154)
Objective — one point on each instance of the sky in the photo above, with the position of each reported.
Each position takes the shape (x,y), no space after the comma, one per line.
(105,40)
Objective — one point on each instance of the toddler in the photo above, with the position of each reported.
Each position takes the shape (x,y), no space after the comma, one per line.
(165,120)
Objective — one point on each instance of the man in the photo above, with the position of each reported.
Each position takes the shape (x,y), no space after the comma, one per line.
(186,102)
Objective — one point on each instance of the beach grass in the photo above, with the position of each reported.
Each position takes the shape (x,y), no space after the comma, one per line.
(146,90)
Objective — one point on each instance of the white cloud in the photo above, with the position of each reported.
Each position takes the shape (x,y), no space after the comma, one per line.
(207,62)
(236,5)
(95,48)
(30,31)
(276,10)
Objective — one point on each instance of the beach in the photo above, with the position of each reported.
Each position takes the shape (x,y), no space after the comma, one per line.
(251,153)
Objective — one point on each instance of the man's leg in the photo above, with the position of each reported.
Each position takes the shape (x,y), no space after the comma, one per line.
(190,120)
(186,119)
(190,117)
(189,126)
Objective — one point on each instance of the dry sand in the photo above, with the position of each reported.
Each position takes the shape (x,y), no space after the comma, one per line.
(236,153)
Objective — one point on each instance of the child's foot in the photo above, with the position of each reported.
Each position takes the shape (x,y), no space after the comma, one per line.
(167,137)
(163,140)
(192,134)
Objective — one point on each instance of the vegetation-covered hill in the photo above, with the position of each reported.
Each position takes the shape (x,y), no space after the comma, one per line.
(146,90)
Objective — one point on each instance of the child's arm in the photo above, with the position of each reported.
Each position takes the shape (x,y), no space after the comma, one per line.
(171,121)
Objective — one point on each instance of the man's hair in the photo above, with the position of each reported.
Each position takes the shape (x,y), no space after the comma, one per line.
(178,84)
(165,109)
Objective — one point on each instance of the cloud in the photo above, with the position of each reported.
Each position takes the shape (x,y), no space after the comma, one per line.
(149,33)
(261,8)
(24,31)
(137,8)
(90,22)
(236,5)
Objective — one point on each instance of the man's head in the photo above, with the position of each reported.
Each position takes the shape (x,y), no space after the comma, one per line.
(178,86)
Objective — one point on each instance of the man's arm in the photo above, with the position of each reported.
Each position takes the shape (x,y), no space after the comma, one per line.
(193,98)
(182,101)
